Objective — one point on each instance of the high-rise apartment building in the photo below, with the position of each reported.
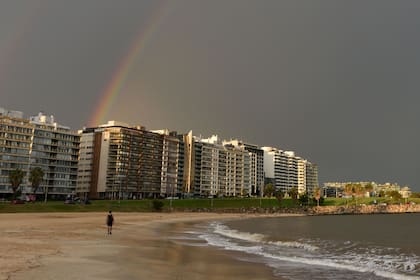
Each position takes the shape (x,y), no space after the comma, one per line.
(238,173)
(15,147)
(285,171)
(311,177)
(55,149)
(172,163)
(256,161)
(216,169)
(38,142)
(206,166)
(117,160)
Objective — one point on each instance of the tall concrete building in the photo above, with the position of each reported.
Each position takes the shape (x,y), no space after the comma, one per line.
(212,168)
(206,166)
(15,147)
(256,161)
(311,177)
(120,161)
(172,163)
(38,142)
(188,174)
(55,149)
(238,172)
(285,171)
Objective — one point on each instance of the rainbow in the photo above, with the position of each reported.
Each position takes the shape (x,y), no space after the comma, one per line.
(115,86)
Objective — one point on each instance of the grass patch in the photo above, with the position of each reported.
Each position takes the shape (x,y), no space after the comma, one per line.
(179,204)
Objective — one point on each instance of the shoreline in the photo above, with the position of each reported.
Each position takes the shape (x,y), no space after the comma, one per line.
(76,246)
(314,211)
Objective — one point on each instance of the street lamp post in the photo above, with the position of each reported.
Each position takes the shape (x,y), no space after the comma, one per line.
(119,195)
(46,194)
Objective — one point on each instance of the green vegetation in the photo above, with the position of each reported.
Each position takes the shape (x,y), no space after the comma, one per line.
(144,205)
(293,193)
(186,204)
(368,201)
(157,205)
(36,176)
(279,194)
(16,178)
(269,190)
(415,195)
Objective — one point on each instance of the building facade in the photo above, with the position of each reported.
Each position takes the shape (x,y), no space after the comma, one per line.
(38,142)
(216,169)
(285,171)
(120,161)
(16,135)
(55,149)
(256,161)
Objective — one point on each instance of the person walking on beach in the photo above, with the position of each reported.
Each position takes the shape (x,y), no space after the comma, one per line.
(109,221)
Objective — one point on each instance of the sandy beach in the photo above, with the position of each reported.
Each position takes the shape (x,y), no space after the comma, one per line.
(76,246)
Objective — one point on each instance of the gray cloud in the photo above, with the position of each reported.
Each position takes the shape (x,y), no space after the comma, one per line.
(334,81)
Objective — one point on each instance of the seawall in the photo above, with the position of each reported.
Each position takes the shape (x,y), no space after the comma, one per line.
(364,209)
(317,210)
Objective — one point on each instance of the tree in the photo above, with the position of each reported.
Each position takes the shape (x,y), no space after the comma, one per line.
(304,199)
(157,205)
(279,194)
(317,194)
(293,193)
(354,190)
(269,190)
(16,178)
(36,176)
(394,195)
(348,189)
(415,195)
(369,188)
(358,191)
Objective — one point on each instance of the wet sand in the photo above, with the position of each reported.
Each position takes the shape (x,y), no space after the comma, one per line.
(76,246)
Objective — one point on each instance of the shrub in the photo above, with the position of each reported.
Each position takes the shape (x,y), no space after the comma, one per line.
(157,205)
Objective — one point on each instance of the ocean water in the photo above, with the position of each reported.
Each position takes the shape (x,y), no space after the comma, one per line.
(320,247)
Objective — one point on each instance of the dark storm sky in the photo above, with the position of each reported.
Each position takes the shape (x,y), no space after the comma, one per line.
(336,81)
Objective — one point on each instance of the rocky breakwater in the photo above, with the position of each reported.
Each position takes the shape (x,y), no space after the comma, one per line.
(365,209)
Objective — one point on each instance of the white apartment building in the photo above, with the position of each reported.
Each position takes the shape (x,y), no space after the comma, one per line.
(85,166)
(238,175)
(285,171)
(55,149)
(172,163)
(256,161)
(38,142)
(16,136)
(219,169)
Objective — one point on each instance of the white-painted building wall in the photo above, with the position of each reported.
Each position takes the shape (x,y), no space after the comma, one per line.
(103,161)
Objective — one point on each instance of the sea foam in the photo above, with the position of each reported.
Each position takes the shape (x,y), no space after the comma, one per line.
(387,266)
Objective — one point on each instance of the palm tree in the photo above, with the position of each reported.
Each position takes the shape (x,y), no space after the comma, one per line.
(269,190)
(36,176)
(16,178)
(293,192)
(358,191)
(348,190)
(279,195)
